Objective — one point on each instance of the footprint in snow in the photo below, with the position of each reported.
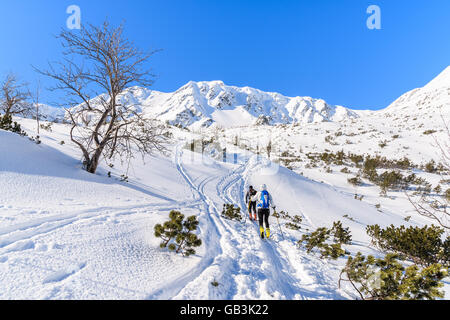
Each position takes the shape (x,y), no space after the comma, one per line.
(56,246)
(42,247)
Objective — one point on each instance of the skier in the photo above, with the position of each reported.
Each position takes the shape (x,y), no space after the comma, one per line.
(251,203)
(264,202)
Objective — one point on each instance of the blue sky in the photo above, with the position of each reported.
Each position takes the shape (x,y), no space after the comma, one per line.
(318,48)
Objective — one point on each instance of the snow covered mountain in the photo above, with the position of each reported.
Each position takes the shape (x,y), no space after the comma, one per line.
(421,107)
(433,98)
(209,103)
(202,104)
(50,113)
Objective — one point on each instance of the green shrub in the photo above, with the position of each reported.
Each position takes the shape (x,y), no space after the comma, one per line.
(231,212)
(447,195)
(382,144)
(370,168)
(292,226)
(340,234)
(345,170)
(430,167)
(7,124)
(318,240)
(423,246)
(390,180)
(355,181)
(169,229)
(387,279)
(332,251)
(180,231)
(315,239)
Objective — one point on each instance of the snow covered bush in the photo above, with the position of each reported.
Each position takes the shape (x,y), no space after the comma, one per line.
(180,231)
(387,279)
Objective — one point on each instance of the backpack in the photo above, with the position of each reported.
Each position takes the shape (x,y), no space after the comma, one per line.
(264,201)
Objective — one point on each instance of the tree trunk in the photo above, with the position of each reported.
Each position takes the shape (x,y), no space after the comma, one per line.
(93,163)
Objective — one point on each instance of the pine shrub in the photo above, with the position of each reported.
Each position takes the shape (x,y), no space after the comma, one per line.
(390,180)
(355,181)
(169,229)
(333,251)
(447,195)
(319,238)
(424,246)
(7,124)
(430,166)
(340,234)
(231,212)
(387,279)
(180,231)
(292,226)
(315,239)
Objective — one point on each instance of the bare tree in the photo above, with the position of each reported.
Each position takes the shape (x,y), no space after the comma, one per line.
(99,64)
(432,207)
(444,145)
(14,98)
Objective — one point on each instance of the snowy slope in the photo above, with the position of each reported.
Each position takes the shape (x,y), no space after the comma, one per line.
(66,234)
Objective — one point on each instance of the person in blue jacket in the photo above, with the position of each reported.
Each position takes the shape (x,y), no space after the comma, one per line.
(264,202)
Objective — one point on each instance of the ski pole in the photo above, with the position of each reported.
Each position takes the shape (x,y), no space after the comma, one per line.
(279,226)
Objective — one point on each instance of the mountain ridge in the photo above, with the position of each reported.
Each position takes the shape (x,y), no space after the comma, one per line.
(202,104)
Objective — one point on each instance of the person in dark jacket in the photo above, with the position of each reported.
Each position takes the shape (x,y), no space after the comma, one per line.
(251,203)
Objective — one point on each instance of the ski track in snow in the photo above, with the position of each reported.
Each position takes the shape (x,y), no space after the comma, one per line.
(12,236)
(245,266)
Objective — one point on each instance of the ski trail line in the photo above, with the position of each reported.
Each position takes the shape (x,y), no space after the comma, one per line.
(211,234)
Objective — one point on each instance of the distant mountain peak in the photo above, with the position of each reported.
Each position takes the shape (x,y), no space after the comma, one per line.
(431,98)
(441,81)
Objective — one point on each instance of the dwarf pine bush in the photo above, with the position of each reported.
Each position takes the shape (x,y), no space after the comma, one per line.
(319,238)
(424,246)
(180,232)
(231,212)
(341,235)
(7,124)
(387,279)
